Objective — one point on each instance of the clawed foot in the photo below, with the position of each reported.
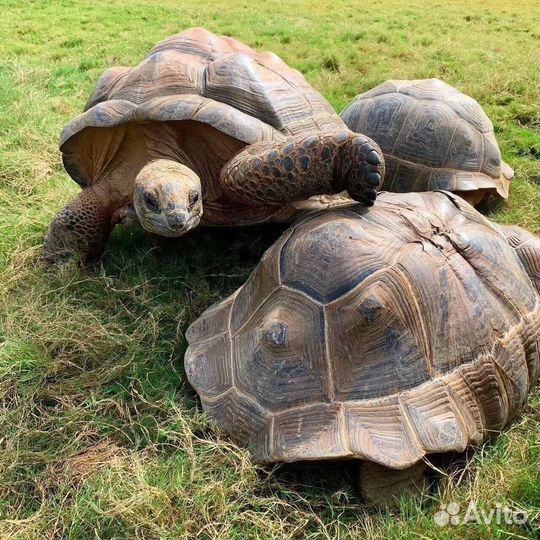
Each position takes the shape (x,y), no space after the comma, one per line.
(56,250)
(59,251)
(78,232)
(56,258)
(364,169)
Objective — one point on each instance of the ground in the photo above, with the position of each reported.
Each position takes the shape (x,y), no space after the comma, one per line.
(100,434)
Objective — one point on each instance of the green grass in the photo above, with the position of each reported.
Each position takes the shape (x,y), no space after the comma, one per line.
(100,434)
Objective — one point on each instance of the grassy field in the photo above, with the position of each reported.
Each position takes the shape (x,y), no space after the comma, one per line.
(100,434)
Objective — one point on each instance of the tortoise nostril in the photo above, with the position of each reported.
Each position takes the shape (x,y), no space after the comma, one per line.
(177,220)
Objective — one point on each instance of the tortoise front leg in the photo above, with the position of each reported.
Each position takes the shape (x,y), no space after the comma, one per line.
(81,228)
(299,167)
(383,486)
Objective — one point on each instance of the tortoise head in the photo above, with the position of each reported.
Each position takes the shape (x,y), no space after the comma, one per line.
(168,198)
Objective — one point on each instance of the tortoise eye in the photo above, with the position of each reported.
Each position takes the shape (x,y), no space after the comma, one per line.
(151,201)
(193,198)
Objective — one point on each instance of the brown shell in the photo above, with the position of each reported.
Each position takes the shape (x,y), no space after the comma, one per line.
(381,334)
(432,136)
(201,77)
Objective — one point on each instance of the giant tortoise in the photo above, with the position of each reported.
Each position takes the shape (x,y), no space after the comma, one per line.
(204,129)
(381,335)
(433,137)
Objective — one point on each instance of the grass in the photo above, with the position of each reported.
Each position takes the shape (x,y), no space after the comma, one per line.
(100,434)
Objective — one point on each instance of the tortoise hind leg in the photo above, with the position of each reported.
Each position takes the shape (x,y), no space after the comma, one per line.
(81,228)
(382,486)
(301,166)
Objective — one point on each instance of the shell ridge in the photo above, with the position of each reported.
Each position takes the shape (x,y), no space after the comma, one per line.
(484,278)
(330,384)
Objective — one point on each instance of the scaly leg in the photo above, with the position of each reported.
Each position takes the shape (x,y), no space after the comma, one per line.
(301,166)
(383,486)
(82,227)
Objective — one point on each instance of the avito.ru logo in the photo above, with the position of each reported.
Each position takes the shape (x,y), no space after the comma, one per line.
(450,515)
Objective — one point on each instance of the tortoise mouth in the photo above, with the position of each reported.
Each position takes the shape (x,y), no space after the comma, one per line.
(178,226)
(172,225)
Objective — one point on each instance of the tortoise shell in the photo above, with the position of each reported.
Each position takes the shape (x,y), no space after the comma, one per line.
(194,77)
(432,136)
(381,335)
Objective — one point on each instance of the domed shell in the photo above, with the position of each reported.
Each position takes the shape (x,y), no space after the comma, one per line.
(197,75)
(432,136)
(379,334)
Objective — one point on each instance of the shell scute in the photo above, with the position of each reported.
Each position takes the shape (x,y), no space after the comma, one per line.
(208,365)
(279,354)
(249,422)
(435,418)
(424,129)
(304,434)
(328,271)
(374,341)
(378,433)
